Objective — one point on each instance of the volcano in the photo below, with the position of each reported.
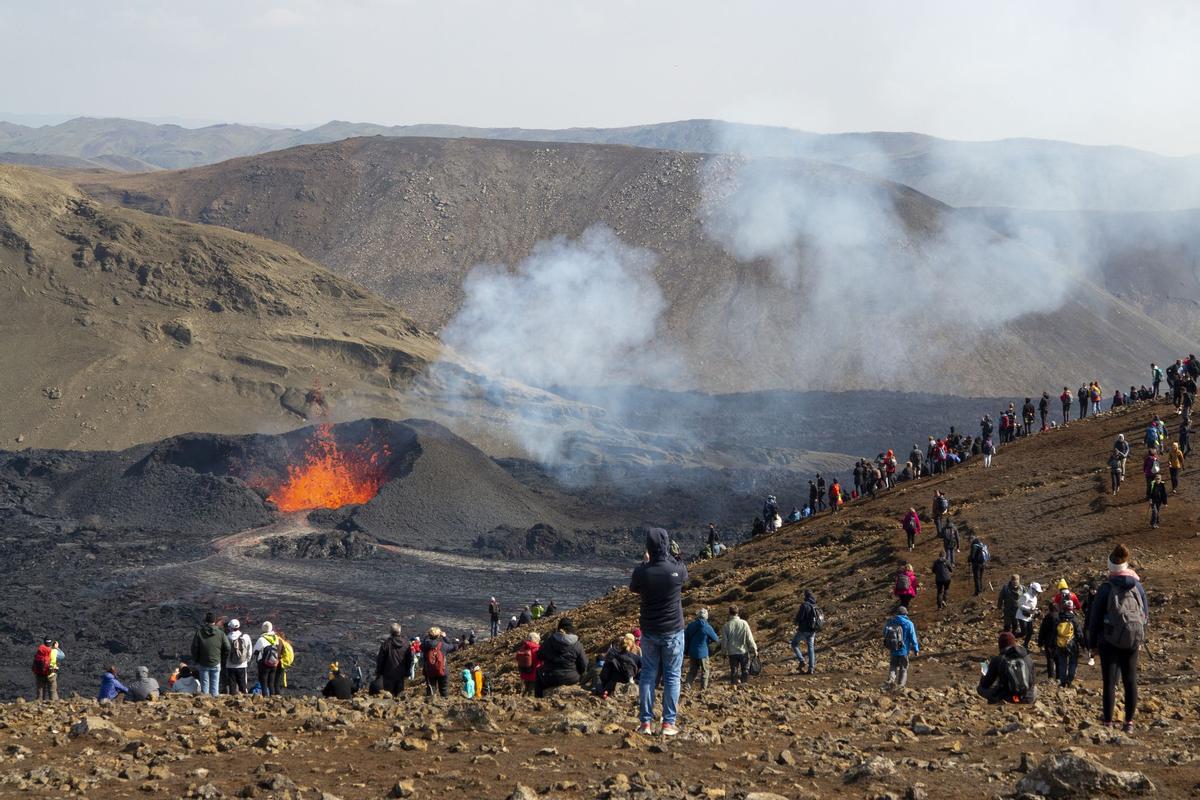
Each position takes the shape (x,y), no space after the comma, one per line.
(329,476)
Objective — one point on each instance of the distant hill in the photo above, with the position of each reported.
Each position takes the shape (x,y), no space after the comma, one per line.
(409,217)
(1023,173)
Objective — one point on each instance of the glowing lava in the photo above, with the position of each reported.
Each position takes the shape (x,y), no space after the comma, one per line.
(329,477)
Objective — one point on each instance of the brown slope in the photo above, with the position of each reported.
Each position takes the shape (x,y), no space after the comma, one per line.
(123,327)
(409,217)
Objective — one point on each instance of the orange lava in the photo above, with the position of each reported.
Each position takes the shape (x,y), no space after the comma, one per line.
(330,477)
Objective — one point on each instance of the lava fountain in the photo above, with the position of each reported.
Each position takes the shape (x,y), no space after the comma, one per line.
(330,477)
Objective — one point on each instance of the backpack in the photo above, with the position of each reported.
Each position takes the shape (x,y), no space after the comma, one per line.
(240,653)
(525,659)
(943,503)
(41,661)
(1016,677)
(1064,635)
(1125,619)
(269,657)
(893,636)
(817,621)
(287,656)
(980,554)
(903,583)
(435,662)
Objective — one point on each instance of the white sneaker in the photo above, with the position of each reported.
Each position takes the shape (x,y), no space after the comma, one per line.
(646,729)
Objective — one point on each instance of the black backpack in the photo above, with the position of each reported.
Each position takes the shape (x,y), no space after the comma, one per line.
(1016,677)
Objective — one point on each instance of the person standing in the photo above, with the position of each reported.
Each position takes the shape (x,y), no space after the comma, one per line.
(1065,399)
(809,620)
(1027,611)
(941,505)
(241,649)
(1068,638)
(1009,600)
(989,450)
(1044,408)
(1150,468)
(978,556)
(1175,464)
(1116,629)
(943,571)
(1083,401)
(1158,499)
(737,640)
(210,649)
(433,659)
(697,638)
(900,640)
(393,661)
(951,544)
(494,615)
(1156,376)
(46,661)
(1027,412)
(659,581)
(1185,436)
(906,585)
(268,656)
(820,493)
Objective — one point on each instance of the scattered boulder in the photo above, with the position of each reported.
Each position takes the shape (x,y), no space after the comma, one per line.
(1073,773)
(98,728)
(873,768)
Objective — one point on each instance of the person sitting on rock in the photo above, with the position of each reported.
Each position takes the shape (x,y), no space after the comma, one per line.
(1010,676)
(564,661)
(620,667)
(142,688)
(110,685)
(182,681)
(339,686)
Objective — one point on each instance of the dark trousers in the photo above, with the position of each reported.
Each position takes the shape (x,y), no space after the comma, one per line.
(394,684)
(1052,668)
(269,679)
(436,685)
(1068,660)
(1066,413)
(496,627)
(1082,409)
(977,574)
(1156,383)
(237,680)
(1116,662)
(739,668)
(1174,478)
(912,539)
(943,593)
(948,554)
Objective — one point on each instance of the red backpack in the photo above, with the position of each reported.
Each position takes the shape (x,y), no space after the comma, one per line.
(435,662)
(41,661)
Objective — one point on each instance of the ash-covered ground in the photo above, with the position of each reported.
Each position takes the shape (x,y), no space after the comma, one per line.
(119,554)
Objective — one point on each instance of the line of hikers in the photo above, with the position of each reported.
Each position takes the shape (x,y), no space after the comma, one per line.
(529,614)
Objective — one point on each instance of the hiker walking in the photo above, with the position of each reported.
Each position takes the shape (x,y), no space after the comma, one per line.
(1047,637)
(900,640)
(1158,499)
(659,581)
(809,622)
(1150,468)
(906,585)
(394,661)
(737,640)
(941,505)
(1185,436)
(46,661)
(1068,639)
(697,638)
(1174,465)
(942,573)
(1009,600)
(912,527)
(1009,677)
(978,556)
(1027,611)
(950,542)
(1116,629)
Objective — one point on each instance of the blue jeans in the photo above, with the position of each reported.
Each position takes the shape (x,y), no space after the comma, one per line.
(666,651)
(811,639)
(1067,663)
(210,680)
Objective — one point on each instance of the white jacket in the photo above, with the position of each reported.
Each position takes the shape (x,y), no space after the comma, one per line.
(232,661)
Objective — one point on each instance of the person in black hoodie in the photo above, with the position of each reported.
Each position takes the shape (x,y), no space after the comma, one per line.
(1046,638)
(339,687)
(563,659)
(393,663)
(621,665)
(1010,676)
(659,580)
(942,573)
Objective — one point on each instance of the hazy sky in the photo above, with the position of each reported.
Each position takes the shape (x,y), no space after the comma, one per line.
(1095,72)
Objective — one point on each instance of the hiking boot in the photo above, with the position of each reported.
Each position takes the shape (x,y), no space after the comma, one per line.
(1127,727)
(669,729)
(645,729)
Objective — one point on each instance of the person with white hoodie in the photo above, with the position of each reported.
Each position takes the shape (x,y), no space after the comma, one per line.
(1027,610)
(268,654)
(241,650)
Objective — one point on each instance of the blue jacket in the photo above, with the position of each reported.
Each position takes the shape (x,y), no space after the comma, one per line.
(910,644)
(697,636)
(110,687)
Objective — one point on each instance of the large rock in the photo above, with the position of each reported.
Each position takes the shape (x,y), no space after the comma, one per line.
(1073,773)
(98,728)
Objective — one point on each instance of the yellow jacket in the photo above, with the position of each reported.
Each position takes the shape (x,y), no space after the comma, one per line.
(1175,458)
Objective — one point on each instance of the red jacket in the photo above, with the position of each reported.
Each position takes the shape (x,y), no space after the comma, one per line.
(532,648)
(911,521)
(1057,600)
(913,585)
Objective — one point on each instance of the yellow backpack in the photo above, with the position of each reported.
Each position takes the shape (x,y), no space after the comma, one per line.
(1064,634)
(287,656)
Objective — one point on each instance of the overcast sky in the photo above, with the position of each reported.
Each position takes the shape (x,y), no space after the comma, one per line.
(1095,72)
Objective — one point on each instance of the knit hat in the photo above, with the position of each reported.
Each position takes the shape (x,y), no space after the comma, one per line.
(1007,640)
(704,613)
(1062,584)
(234,624)
(267,627)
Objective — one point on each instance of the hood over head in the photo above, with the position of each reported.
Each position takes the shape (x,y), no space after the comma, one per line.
(658,544)
(143,672)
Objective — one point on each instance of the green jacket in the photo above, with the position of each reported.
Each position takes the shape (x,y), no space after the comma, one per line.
(210,646)
(737,639)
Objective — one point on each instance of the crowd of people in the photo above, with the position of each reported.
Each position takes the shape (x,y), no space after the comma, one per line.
(1107,619)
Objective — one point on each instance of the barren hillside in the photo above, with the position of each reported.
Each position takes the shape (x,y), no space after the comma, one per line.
(409,218)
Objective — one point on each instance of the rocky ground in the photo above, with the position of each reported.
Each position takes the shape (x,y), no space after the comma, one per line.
(1043,508)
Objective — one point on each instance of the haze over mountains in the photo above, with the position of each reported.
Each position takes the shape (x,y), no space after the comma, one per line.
(774,273)
(1025,173)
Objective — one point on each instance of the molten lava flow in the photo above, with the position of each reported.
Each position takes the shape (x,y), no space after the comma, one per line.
(329,477)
